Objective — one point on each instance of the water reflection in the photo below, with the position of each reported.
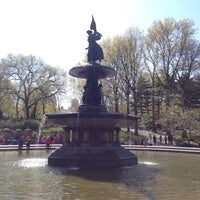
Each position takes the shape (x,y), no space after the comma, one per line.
(157,176)
(122,183)
(148,163)
(32,162)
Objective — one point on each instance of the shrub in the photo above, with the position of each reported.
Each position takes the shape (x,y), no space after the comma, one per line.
(11,124)
(32,124)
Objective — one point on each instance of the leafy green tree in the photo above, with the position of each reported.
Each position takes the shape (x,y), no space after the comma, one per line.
(167,49)
(32,82)
(125,54)
(188,69)
(192,93)
(175,119)
(111,89)
(6,100)
(144,94)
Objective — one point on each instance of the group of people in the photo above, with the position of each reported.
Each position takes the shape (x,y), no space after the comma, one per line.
(43,140)
(163,140)
(46,140)
(21,143)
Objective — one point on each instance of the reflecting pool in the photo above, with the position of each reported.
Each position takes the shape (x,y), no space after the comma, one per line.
(26,175)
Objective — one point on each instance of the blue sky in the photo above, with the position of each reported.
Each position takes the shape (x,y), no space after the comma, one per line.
(55,30)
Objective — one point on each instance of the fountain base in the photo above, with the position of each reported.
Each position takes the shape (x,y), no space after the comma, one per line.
(92,133)
(85,156)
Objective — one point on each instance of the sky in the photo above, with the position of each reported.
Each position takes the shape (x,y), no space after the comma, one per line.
(55,30)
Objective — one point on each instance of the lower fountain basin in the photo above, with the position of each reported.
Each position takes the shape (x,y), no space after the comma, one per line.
(92,139)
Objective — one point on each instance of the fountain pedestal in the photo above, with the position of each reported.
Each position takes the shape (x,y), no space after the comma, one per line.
(92,131)
(84,156)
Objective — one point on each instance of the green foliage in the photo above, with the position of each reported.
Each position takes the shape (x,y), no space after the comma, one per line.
(195,138)
(176,119)
(20,124)
(192,93)
(126,137)
(11,124)
(31,124)
(47,131)
(41,84)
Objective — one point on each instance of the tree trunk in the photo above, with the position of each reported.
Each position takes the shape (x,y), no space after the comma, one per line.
(27,113)
(17,108)
(153,102)
(128,108)
(136,112)
(116,99)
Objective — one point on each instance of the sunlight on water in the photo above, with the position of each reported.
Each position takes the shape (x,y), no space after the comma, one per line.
(32,162)
(62,170)
(148,163)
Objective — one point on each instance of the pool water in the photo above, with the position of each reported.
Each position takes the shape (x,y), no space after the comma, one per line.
(26,175)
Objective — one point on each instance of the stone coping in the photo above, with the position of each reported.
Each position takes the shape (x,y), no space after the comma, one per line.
(163,148)
(32,147)
(129,147)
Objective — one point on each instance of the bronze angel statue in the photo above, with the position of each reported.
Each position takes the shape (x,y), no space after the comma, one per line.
(95,52)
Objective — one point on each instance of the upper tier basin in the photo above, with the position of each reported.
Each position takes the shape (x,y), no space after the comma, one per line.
(100,70)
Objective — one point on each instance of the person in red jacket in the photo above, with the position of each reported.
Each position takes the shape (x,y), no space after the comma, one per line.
(48,142)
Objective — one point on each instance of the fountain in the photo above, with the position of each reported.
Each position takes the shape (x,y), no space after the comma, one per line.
(92,133)
(41,125)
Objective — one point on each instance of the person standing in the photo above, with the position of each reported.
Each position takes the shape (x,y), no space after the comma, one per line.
(150,140)
(154,140)
(165,140)
(48,142)
(28,144)
(20,143)
(160,139)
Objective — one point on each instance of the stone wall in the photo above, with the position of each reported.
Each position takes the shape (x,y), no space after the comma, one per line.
(8,136)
